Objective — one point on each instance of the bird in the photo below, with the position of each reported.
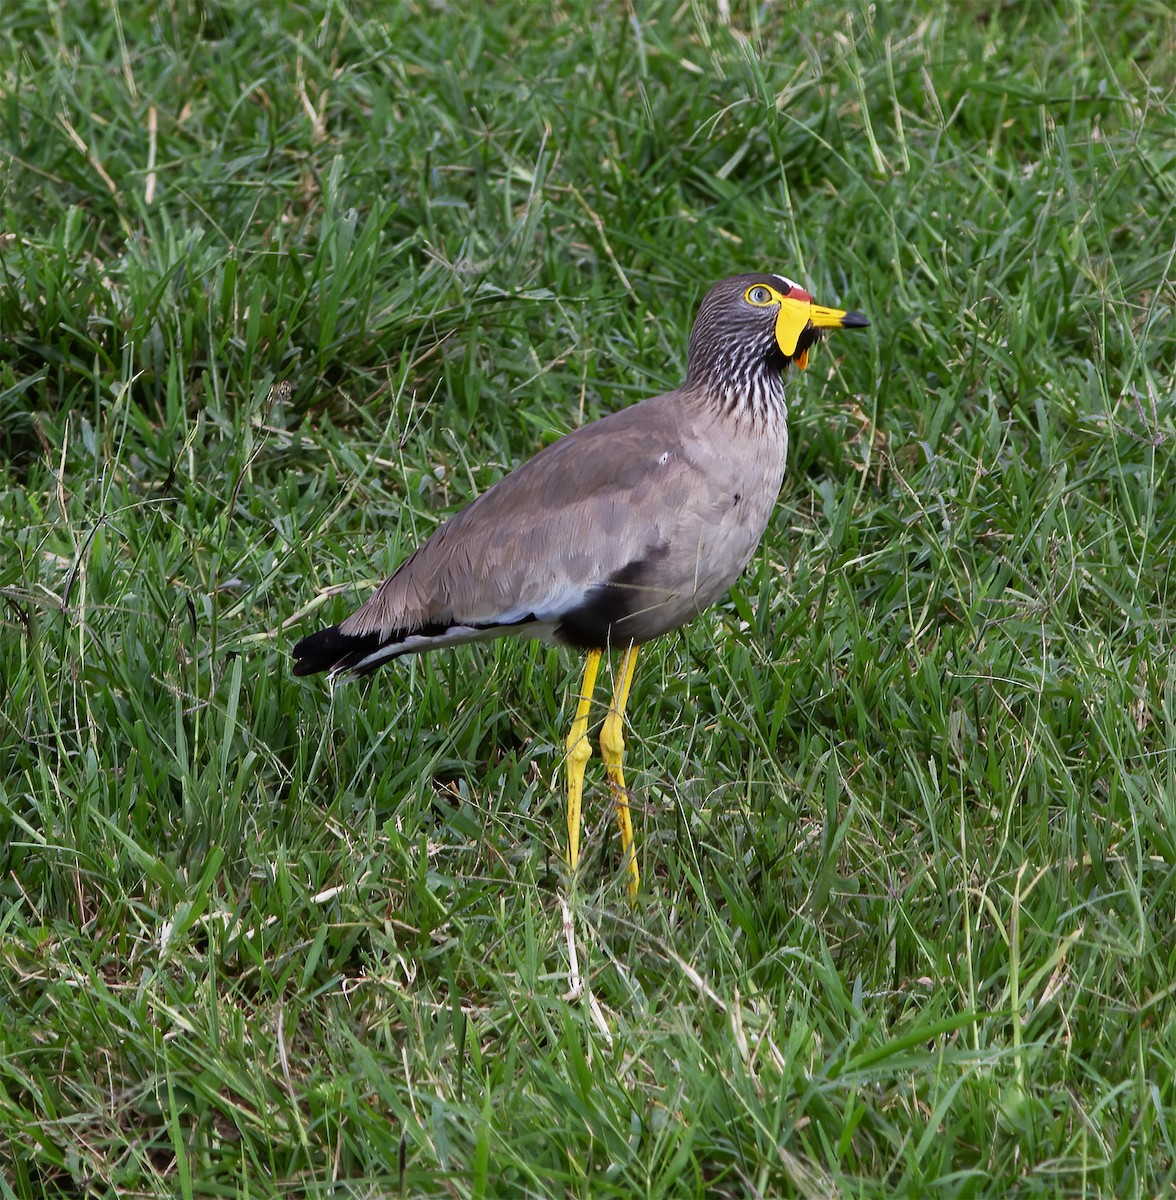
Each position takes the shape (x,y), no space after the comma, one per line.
(616,533)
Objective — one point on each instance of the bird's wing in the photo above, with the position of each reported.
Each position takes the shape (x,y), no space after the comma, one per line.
(586,510)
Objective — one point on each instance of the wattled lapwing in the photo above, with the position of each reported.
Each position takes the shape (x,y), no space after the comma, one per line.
(615,534)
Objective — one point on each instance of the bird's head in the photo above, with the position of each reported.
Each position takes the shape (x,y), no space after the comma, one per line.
(750,327)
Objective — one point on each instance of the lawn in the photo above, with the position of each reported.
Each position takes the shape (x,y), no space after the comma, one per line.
(283,285)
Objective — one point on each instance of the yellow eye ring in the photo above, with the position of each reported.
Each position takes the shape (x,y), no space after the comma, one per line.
(759,295)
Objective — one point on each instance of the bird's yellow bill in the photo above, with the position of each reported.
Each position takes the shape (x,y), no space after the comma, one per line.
(798,314)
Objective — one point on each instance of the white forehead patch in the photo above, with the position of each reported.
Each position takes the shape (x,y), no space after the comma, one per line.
(788,283)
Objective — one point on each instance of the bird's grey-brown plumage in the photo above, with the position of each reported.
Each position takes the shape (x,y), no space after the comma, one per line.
(620,531)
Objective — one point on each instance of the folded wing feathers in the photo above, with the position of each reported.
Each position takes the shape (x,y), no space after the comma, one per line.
(527,551)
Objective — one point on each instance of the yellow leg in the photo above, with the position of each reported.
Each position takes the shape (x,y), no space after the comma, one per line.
(579,752)
(612,749)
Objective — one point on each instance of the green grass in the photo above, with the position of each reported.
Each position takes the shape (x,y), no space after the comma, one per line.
(280,287)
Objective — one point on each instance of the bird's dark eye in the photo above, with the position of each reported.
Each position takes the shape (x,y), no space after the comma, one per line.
(759,295)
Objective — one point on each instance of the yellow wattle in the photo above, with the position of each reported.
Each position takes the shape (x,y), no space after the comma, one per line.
(791,322)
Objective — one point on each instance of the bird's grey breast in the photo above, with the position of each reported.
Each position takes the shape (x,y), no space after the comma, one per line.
(715,489)
(743,467)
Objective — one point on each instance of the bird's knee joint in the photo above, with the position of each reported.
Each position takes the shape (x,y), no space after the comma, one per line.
(612,738)
(579,748)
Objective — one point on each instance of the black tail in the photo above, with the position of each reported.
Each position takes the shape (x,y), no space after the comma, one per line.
(330,650)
